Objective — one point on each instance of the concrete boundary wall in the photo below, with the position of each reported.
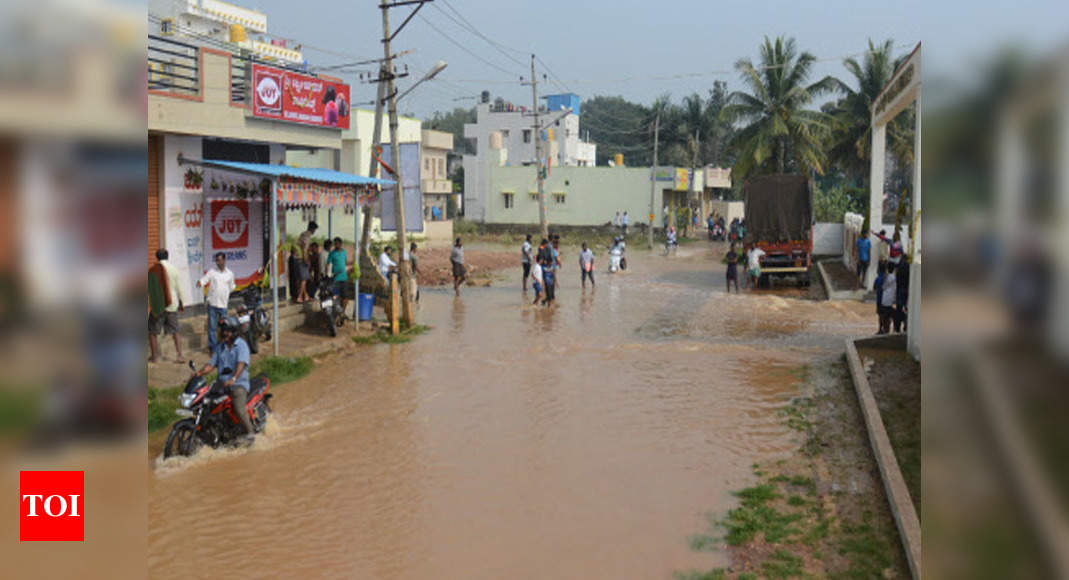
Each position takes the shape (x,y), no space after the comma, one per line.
(909,527)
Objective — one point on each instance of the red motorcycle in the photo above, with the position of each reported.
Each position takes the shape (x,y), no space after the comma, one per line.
(210,418)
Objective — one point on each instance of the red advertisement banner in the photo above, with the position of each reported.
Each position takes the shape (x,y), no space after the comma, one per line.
(289,96)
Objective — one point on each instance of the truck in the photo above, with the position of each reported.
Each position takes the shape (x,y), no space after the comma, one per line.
(779,220)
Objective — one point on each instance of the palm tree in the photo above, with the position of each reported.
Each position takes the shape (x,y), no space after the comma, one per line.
(850,143)
(779,133)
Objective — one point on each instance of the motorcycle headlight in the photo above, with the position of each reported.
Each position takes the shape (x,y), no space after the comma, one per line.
(186,399)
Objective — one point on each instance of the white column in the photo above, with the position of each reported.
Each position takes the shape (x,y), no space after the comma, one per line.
(277,336)
(913,334)
(879,138)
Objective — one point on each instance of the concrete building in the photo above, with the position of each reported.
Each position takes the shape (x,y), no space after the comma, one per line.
(504,136)
(433,173)
(201,105)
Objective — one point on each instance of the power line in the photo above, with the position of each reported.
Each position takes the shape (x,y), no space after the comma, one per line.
(466,25)
(462,47)
(553,76)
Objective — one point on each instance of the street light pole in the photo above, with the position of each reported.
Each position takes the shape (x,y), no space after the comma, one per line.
(542,221)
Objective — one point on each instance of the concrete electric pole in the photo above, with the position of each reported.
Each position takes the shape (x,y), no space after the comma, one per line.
(653,178)
(399,197)
(537,128)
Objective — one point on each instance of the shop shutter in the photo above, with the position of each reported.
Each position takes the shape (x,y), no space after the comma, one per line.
(154,147)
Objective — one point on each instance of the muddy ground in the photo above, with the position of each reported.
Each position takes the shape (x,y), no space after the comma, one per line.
(435,269)
(895,379)
(820,512)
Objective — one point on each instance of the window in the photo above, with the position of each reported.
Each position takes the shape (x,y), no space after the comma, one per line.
(308,214)
(526,135)
(504,133)
(441,167)
(559,198)
(508,200)
(427,164)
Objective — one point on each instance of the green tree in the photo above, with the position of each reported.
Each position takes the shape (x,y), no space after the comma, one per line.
(850,143)
(779,134)
(453,122)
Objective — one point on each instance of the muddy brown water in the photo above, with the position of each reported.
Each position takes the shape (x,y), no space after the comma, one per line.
(585,440)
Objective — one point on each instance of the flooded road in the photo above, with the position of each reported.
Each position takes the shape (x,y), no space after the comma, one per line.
(584,440)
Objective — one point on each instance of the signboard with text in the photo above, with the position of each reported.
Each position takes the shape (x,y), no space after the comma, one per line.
(297,98)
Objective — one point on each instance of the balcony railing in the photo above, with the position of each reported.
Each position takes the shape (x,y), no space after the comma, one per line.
(173,66)
(437,186)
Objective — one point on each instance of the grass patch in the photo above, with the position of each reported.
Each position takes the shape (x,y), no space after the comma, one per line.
(782,564)
(795,501)
(161,406)
(383,336)
(19,408)
(867,551)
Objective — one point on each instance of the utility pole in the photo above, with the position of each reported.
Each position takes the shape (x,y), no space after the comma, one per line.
(399,198)
(537,128)
(543,222)
(653,177)
(373,165)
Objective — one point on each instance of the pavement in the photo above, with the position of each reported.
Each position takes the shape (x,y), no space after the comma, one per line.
(300,342)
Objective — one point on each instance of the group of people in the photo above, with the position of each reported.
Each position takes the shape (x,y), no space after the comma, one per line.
(754,256)
(542,265)
(312,266)
(892,280)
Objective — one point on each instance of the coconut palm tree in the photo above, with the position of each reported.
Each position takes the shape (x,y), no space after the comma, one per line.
(850,143)
(779,134)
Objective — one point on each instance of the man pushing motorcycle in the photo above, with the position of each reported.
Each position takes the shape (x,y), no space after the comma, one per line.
(232,354)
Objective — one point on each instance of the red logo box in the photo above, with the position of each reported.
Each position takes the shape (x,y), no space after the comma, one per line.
(230,224)
(52,506)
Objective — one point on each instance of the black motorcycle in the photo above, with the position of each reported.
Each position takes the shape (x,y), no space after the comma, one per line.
(330,304)
(209,416)
(253,318)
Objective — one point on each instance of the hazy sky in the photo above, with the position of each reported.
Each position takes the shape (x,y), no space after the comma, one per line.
(591,45)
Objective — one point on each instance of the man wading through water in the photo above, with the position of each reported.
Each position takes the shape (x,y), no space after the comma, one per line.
(460,273)
(525,259)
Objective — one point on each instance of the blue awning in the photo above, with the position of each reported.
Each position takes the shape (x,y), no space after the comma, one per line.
(307,173)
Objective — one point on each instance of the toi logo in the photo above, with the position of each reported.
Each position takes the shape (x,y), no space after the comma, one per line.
(52,506)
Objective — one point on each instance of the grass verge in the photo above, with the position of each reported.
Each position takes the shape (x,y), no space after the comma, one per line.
(383,336)
(163,402)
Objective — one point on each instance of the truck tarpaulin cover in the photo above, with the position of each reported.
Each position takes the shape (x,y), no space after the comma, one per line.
(778,208)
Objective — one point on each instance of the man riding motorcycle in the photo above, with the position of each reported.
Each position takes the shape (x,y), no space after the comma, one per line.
(232,354)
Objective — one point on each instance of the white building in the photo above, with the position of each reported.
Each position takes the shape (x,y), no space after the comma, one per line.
(222,22)
(504,136)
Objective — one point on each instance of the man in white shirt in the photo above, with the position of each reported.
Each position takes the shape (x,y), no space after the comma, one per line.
(163,314)
(386,264)
(753,265)
(220,283)
(887,300)
(525,259)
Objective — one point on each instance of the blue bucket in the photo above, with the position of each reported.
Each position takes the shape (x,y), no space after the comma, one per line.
(367,302)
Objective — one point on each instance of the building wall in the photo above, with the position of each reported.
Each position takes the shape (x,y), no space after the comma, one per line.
(592,195)
(212,113)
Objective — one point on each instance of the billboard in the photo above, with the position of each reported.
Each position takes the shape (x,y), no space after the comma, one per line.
(410,155)
(285,95)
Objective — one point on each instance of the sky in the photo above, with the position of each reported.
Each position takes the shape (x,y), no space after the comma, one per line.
(618,48)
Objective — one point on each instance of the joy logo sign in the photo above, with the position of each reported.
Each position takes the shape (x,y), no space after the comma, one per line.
(230,224)
(51,506)
(267,86)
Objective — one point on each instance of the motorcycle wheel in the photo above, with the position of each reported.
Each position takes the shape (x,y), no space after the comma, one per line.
(182,440)
(330,321)
(253,338)
(623,263)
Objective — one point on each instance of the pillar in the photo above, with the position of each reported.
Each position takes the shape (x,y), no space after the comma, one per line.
(876,173)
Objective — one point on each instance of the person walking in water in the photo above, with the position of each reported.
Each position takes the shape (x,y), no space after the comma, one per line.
(460,273)
(546,259)
(586,266)
(525,258)
(732,260)
(536,280)
(754,265)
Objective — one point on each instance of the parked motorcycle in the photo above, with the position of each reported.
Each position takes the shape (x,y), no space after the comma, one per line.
(210,417)
(253,318)
(330,304)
